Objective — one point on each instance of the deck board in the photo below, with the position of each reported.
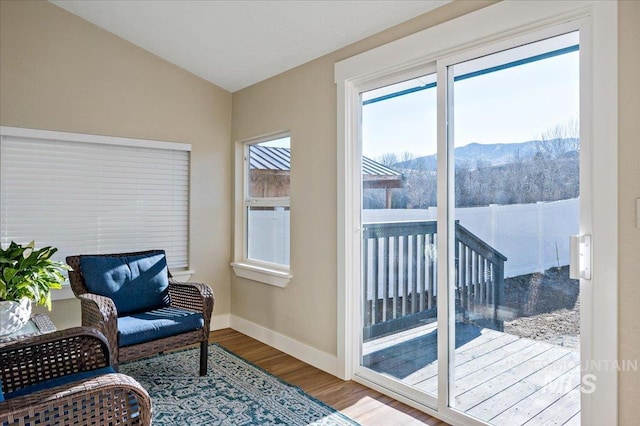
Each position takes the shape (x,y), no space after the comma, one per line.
(561,411)
(480,370)
(507,397)
(466,353)
(573,421)
(549,398)
(500,378)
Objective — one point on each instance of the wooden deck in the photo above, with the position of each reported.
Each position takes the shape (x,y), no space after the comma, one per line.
(500,378)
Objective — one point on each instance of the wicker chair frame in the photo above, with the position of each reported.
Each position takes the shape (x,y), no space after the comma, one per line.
(114,399)
(100,312)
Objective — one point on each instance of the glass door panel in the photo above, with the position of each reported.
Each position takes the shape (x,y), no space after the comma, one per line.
(516,194)
(399,238)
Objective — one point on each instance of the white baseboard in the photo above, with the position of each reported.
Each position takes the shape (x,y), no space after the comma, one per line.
(218,322)
(296,349)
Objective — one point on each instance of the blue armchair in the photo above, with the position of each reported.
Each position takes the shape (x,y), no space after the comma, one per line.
(133,300)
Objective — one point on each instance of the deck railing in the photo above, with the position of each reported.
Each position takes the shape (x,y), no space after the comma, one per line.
(400,277)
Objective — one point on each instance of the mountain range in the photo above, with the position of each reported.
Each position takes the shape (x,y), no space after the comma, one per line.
(494,154)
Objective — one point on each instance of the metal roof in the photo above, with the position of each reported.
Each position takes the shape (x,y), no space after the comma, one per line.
(373,168)
(270,158)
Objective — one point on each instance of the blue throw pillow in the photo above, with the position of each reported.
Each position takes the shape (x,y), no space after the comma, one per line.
(134,283)
(59,381)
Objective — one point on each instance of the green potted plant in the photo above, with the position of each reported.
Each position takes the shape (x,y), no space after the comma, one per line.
(26,275)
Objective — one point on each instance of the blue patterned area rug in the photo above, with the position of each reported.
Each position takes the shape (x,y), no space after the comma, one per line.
(234,392)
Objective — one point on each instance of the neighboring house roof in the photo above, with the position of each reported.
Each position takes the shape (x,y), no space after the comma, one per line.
(373,168)
(270,158)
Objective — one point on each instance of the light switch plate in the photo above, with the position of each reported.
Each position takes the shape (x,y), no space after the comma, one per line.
(638,212)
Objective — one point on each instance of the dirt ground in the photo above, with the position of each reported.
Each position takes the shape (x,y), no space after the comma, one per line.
(546,307)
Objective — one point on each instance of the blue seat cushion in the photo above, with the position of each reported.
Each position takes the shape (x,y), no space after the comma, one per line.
(134,283)
(59,381)
(164,322)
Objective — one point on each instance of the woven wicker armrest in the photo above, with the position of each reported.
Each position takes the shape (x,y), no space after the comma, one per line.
(196,297)
(100,312)
(30,361)
(107,399)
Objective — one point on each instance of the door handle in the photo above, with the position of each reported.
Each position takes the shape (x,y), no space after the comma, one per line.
(580,257)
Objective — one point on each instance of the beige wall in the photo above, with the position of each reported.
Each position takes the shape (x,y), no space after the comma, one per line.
(629,191)
(304,101)
(59,72)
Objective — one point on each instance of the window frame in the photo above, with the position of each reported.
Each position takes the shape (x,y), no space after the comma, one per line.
(243,266)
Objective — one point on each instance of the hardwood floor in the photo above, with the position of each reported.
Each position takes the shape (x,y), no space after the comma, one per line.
(364,405)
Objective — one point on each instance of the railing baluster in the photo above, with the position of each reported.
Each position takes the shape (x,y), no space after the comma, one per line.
(487,283)
(414,274)
(374,279)
(423,278)
(396,274)
(432,271)
(476,277)
(367,313)
(470,287)
(483,283)
(405,273)
(385,276)
(492,282)
(457,290)
(463,280)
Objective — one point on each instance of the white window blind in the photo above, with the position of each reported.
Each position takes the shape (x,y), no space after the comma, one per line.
(87,194)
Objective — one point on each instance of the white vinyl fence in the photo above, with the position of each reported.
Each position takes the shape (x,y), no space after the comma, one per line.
(533,237)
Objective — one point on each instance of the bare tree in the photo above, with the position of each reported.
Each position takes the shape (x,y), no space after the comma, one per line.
(557,161)
(560,139)
(389,159)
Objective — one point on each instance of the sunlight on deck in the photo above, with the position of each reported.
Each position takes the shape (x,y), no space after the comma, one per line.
(500,378)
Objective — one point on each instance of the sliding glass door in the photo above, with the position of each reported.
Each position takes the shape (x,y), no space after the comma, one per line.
(470,183)
(399,237)
(513,126)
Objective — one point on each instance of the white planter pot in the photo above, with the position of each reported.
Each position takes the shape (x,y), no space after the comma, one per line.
(14,315)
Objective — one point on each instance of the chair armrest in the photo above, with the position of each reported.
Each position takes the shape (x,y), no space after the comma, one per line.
(30,361)
(196,297)
(100,312)
(108,399)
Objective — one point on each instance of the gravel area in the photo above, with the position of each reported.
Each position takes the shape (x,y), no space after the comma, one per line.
(546,307)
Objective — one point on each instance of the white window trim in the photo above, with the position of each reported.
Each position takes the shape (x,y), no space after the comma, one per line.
(489,25)
(243,267)
(88,138)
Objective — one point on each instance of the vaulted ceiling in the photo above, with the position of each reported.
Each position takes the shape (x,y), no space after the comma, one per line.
(235,44)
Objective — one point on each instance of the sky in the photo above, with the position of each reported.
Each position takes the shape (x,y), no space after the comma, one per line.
(512,105)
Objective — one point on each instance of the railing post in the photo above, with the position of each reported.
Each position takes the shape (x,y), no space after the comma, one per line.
(459,279)
(498,291)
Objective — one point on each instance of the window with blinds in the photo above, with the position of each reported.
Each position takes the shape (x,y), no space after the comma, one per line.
(87,194)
